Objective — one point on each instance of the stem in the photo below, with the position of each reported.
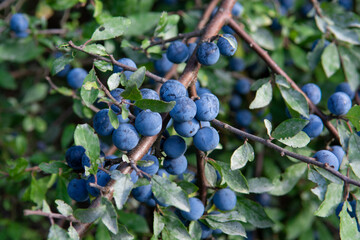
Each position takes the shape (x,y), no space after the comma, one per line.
(200,162)
(49,215)
(271,63)
(317,8)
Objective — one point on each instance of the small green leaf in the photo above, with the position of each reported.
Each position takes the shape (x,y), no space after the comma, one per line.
(229,228)
(122,187)
(298,141)
(60,63)
(35,93)
(84,136)
(57,233)
(113,118)
(89,90)
(264,38)
(350,66)
(137,77)
(314,56)
(254,213)
(63,208)
(260,185)
(158,224)
(289,128)
(103,65)
(112,27)
(155,105)
(259,83)
(6,80)
(332,199)
(263,96)
(235,179)
(330,60)
(345,35)
(176,228)
(89,215)
(210,174)
(169,193)
(131,93)
(227,217)
(73,234)
(122,234)
(354,116)
(109,218)
(97,49)
(124,112)
(298,55)
(188,187)
(241,156)
(113,81)
(348,225)
(195,230)
(53,167)
(268,126)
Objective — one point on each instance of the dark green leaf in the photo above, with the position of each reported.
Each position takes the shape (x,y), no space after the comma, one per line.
(63,208)
(176,228)
(97,49)
(330,60)
(134,222)
(295,100)
(263,96)
(188,187)
(227,217)
(137,78)
(332,199)
(67,135)
(89,90)
(122,187)
(132,93)
(84,136)
(354,116)
(60,63)
(354,153)
(89,215)
(62,4)
(241,156)
(260,185)
(314,56)
(142,22)
(289,128)
(19,167)
(38,189)
(122,234)
(113,118)
(298,55)
(234,179)
(112,27)
(348,225)
(109,218)
(253,213)
(350,67)
(35,93)
(10,50)
(155,105)
(53,167)
(264,38)
(6,80)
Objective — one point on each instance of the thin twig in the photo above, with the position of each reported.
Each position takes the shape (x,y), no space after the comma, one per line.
(49,215)
(317,8)
(52,31)
(202,183)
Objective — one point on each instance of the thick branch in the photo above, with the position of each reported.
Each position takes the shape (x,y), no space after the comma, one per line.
(284,152)
(271,63)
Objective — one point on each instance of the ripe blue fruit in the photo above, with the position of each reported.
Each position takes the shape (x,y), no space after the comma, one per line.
(225,199)
(163,173)
(287,3)
(208,53)
(196,210)
(73,157)
(235,102)
(227,45)
(325,156)
(184,110)
(76,77)
(142,193)
(347,4)
(174,146)
(244,118)
(236,64)
(66,69)
(187,129)
(153,168)
(339,152)
(339,103)
(201,91)
(102,179)
(345,87)
(227,29)
(207,107)
(85,160)
(77,190)
(177,52)
(242,86)
(171,90)
(128,62)
(237,10)
(125,137)
(204,124)
(163,65)
(148,123)
(116,93)
(102,124)
(205,231)
(314,127)
(175,166)
(313,92)
(206,139)
(19,23)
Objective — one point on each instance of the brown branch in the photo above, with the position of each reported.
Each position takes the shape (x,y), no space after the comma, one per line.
(271,63)
(6,3)
(207,14)
(49,215)
(52,31)
(284,152)
(202,183)
(317,8)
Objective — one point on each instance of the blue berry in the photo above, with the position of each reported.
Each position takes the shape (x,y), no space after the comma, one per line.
(287,4)
(73,157)
(201,91)
(66,69)
(227,29)
(174,146)
(102,179)
(148,123)
(347,4)
(177,52)
(102,124)
(237,10)
(314,127)
(227,45)
(142,193)
(77,190)
(125,137)
(128,62)
(208,53)
(163,65)
(184,110)
(313,92)
(116,93)
(225,199)
(187,129)
(153,168)
(345,87)
(146,93)
(85,161)
(175,166)
(243,86)
(325,156)
(171,90)
(205,231)
(76,77)
(196,210)
(163,173)
(235,102)
(339,103)
(207,107)
(206,139)
(244,118)
(19,23)
(339,152)
(236,64)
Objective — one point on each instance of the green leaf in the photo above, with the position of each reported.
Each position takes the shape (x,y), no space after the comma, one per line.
(122,234)
(38,189)
(109,218)
(354,116)
(131,93)
(234,179)
(259,83)
(188,187)
(254,213)
(89,90)
(241,156)
(53,166)
(57,233)
(35,93)
(210,174)
(112,28)
(103,65)
(288,179)
(19,167)
(155,105)
(298,141)
(73,234)
(263,96)
(113,118)
(320,190)
(330,60)
(298,55)
(84,136)
(97,49)
(137,77)
(350,67)
(264,38)
(332,199)
(260,185)
(63,208)
(345,35)
(169,193)
(142,23)
(67,135)
(176,228)
(348,225)
(354,153)
(268,126)
(295,100)
(344,134)
(329,176)
(113,81)
(6,80)
(230,228)
(62,4)
(122,187)
(289,128)
(124,112)
(134,222)
(98,8)
(59,63)
(158,224)
(10,50)
(89,215)
(314,56)
(195,230)
(227,217)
